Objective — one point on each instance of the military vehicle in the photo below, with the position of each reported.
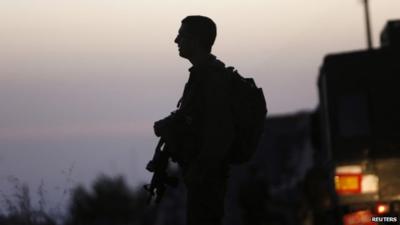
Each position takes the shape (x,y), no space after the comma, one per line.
(360,127)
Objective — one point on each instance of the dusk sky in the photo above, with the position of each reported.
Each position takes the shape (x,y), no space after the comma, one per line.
(81,82)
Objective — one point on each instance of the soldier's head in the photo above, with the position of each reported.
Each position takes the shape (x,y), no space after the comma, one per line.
(196,35)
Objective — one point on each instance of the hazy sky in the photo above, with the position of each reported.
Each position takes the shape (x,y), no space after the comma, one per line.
(81,82)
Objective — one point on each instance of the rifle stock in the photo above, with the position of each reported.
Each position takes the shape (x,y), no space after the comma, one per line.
(160,179)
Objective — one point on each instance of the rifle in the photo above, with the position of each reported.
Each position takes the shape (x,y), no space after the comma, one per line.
(158,166)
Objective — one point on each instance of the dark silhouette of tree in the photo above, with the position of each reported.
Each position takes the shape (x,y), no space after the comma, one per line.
(35,219)
(110,201)
(19,209)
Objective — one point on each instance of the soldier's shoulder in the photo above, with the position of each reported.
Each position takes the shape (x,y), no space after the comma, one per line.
(216,73)
(216,79)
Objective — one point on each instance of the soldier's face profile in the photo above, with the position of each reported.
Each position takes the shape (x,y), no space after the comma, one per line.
(185,41)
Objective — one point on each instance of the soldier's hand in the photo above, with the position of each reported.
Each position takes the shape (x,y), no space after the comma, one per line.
(163,126)
(158,128)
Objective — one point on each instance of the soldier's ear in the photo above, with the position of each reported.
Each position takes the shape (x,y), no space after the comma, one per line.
(197,42)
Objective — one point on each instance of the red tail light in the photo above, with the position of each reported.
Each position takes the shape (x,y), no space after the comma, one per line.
(382,208)
(350,179)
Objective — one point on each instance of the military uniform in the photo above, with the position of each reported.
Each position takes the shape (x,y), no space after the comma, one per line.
(205,105)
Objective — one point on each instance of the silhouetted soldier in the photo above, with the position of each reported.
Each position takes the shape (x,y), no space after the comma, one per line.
(205,129)
(253,197)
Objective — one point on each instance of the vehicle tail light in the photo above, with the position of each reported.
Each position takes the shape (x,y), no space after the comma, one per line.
(369,183)
(346,183)
(348,179)
(382,208)
(351,180)
(358,218)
